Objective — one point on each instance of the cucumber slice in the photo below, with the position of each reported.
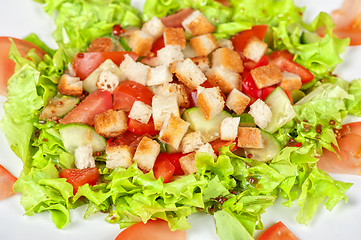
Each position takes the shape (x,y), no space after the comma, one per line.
(268,152)
(308,37)
(209,129)
(58,107)
(75,135)
(282,110)
(297,95)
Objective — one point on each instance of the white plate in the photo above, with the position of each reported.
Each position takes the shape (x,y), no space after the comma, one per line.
(21,17)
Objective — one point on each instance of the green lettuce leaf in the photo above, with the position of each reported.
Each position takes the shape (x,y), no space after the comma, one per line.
(354,105)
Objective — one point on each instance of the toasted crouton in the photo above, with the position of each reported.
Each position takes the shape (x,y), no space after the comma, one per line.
(227,58)
(188,163)
(197,24)
(249,137)
(163,106)
(159,75)
(176,89)
(254,49)
(203,44)
(141,43)
(290,81)
(237,101)
(202,63)
(207,148)
(261,113)
(225,43)
(174,36)
(154,27)
(107,81)
(111,123)
(188,73)
(210,102)
(84,157)
(146,153)
(103,44)
(140,112)
(229,128)
(134,71)
(173,130)
(175,20)
(119,156)
(69,85)
(169,54)
(192,141)
(224,78)
(188,51)
(266,76)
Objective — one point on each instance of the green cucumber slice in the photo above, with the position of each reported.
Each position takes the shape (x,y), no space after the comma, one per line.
(75,135)
(58,107)
(268,152)
(308,37)
(209,129)
(282,110)
(297,95)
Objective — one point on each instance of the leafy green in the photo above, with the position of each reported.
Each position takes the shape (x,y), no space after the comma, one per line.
(354,105)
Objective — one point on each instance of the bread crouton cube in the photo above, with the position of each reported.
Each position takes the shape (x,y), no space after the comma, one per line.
(174,36)
(202,63)
(104,44)
(290,81)
(207,148)
(197,24)
(69,85)
(146,153)
(266,76)
(140,112)
(261,113)
(169,54)
(159,75)
(111,123)
(188,73)
(84,157)
(188,163)
(254,49)
(154,27)
(119,156)
(203,44)
(192,141)
(173,130)
(107,81)
(237,101)
(176,89)
(134,71)
(227,58)
(229,128)
(225,43)
(141,42)
(210,102)
(163,106)
(249,137)
(224,78)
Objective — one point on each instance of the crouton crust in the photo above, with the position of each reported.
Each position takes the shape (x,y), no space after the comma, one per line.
(203,44)
(210,102)
(174,36)
(146,153)
(119,156)
(290,81)
(71,86)
(111,123)
(141,43)
(197,24)
(227,58)
(254,49)
(237,101)
(266,76)
(249,137)
(188,73)
(173,130)
(224,78)
(188,163)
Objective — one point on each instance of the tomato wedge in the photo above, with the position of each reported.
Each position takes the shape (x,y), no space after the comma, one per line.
(278,231)
(349,152)
(152,230)
(85,63)
(7,66)
(139,128)
(174,159)
(163,168)
(7,181)
(79,177)
(127,92)
(95,103)
(240,39)
(217,144)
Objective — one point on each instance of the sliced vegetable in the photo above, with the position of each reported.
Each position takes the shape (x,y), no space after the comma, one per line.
(240,39)
(76,135)
(7,181)
(58,107)
(140,128)
(174,159)
(79,177)
(163,168)
(278,231)
(218,143)
(271,147)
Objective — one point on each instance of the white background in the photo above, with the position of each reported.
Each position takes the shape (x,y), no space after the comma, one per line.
(21,17)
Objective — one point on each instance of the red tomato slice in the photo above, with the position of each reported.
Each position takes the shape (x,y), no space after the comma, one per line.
(7,181)
(175,20)
(278,231)
(95,103)
(127,92)
(174,159)
(152,230)
(267,91)
(217,144)
(139,128)
(281,53)
(163,168)
(240,39)
(7,66)
(350,152)
(79,177)
(85,63)
(157,45)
